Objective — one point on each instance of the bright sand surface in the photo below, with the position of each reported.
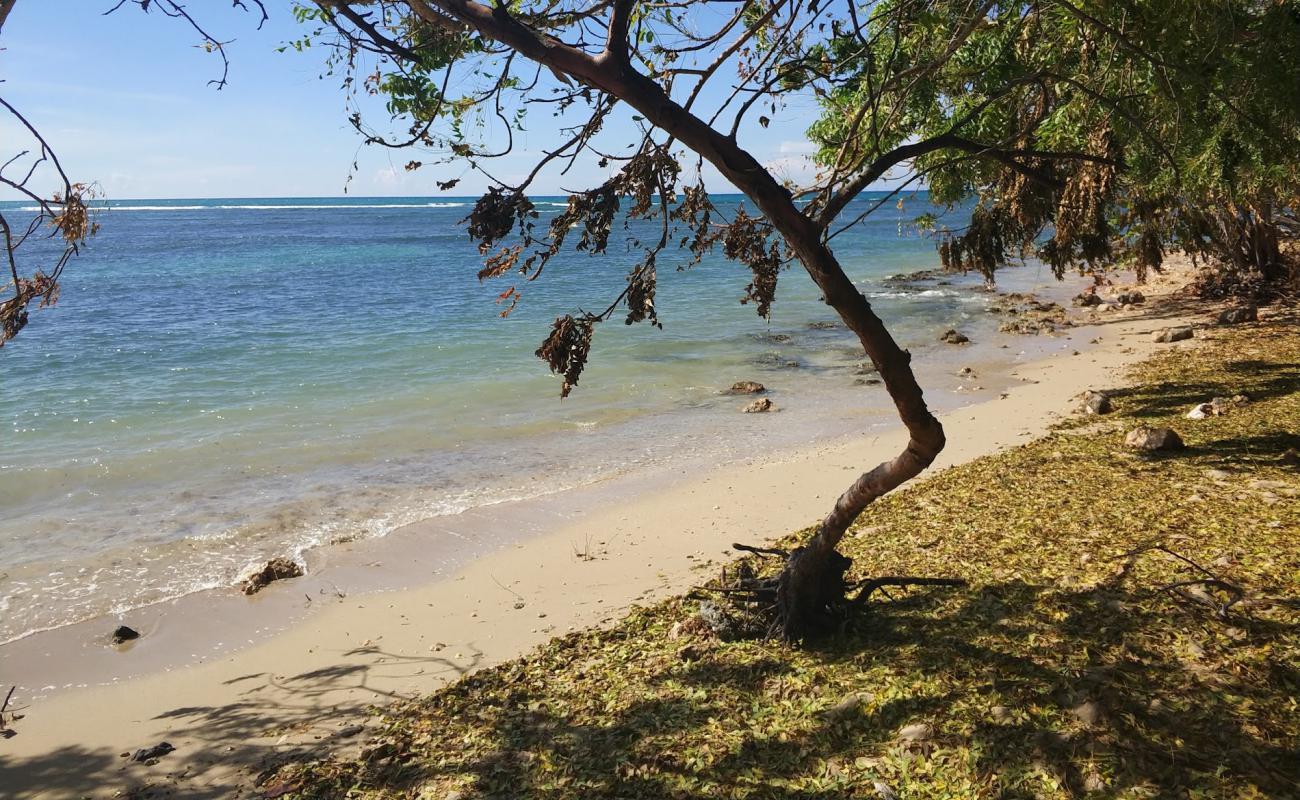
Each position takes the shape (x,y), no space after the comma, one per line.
(228,690)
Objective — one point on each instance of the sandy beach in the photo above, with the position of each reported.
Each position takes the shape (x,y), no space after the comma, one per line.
(230,690)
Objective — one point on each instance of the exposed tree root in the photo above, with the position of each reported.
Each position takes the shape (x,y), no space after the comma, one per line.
(807,598)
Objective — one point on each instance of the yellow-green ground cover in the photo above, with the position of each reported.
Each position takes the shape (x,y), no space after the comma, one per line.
(1063,670)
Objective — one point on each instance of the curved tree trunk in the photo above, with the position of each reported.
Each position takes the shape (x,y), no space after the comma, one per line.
(813,579)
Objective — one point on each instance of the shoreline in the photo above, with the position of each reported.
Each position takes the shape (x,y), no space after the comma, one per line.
(234,709)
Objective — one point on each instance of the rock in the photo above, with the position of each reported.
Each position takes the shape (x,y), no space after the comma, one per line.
(759,406)
(966,371)
(1000,714)
(1290,457)
(1146,438)
(124,634)
(349,731)
(883,789)
(916,732)
(747,387)
(953,337)
(1130,298)
(1238,315)
(145,754)
(1222,405)
(277,569)
(1172,334)
(845,708)
(1096,403)
(822,326)
(1217,407)
(1086,299)
(1089,713)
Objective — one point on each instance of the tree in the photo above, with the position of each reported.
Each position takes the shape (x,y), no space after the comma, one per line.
(1074,122)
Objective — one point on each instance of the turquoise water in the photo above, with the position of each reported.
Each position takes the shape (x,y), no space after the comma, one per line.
(225,380)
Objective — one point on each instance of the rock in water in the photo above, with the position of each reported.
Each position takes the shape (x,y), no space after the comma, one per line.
(953,337)
(1130,298)
(1146,438)
(1172,334)
(152,753)
(124,634)
(277,569)
(759,406)
(1097,403)
(747,387)
(1238,315)
(1087,299)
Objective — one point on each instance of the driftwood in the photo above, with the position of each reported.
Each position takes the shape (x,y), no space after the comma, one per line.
(761,599)
(5,732)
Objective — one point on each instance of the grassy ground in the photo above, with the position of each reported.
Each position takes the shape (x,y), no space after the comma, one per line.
(1063,670)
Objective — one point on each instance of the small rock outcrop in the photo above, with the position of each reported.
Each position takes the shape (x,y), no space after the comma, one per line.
(916,732)
(1238,315)
(759,406)
(747,387)
(1154,439)
(1130,298)
(1096,403)
(277,569)
(1086,299)
(148,754)
(1172,334)
(124,634)
(1217,407)
(954,337)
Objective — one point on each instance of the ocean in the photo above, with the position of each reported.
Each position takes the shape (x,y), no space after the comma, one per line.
(227,380)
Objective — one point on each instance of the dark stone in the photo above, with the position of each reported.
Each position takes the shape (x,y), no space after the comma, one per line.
(1238,315)
(1087,299)
(1130,298)
(953,337)
(145,754)
(747,387)
(1097,403)
(124,634)
(277,569)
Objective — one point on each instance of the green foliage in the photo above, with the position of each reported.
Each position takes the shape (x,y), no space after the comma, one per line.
(1193,105)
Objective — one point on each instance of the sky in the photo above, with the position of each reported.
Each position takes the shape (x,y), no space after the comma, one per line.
(125,101)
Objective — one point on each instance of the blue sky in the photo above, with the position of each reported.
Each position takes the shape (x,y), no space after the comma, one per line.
(125,101)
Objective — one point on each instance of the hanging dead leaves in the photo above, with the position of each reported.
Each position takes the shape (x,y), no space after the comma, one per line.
(566,349)
(504,219)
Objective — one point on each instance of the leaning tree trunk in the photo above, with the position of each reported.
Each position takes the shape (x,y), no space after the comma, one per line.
(813,579)
(811,586)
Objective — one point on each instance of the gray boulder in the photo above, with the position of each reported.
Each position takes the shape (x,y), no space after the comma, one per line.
(954,337)
(1154,439)
(1172,334)
(1096,403)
